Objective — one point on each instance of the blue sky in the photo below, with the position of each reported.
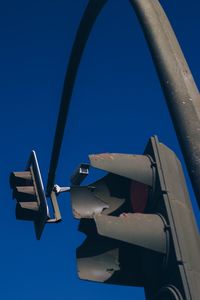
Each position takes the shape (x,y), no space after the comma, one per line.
(117,105)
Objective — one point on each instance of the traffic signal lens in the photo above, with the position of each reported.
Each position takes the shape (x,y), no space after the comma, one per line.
(139,194)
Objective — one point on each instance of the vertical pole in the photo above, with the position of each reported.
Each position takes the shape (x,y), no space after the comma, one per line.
(181,93)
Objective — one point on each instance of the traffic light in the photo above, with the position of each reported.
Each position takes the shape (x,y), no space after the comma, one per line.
(29,193)
(139,225)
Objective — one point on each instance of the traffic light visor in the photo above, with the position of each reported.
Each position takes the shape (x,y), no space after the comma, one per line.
(28,190)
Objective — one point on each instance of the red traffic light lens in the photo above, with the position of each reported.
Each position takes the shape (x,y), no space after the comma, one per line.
(139,193)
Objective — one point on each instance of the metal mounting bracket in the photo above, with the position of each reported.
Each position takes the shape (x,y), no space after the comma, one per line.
(57,216)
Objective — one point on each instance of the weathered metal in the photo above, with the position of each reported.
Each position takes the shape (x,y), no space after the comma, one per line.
(181,93)
(144,230)
(164,237)
(127,165)
(182,97)
(180,217)
(88,201)
(178,85)
(100,267)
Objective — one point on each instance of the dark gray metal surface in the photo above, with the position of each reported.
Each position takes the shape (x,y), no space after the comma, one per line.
(164,238)
(183,101)
(144,230)
(183,228)
(100,267)
(180,91)
(182,95)
(94,199)
(135,167)
(85,204)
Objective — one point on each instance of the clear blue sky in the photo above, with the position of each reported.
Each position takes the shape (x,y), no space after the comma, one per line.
(117,105)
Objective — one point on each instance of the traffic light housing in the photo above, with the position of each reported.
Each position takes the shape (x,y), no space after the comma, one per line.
(139,224)
(29,193)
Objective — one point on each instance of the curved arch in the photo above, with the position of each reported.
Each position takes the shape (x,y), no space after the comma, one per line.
(90,15)
(179,88)
(176,80)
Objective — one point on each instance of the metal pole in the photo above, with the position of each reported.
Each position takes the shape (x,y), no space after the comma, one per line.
(181,93)
(92,11)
